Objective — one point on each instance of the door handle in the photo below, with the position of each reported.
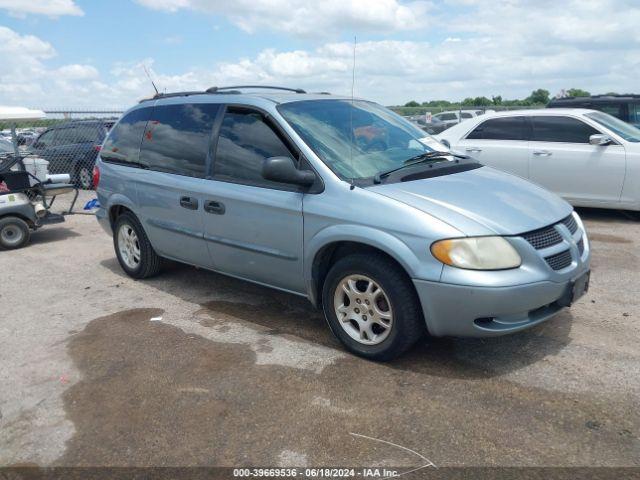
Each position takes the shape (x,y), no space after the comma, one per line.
(542,153)
(473,149)
(189,203)
(211,206)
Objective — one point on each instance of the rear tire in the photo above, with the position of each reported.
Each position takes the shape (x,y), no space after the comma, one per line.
(14,233)
(380,315)
(134,251)
(84,177)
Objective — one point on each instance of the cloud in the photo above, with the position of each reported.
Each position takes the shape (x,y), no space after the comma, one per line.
(51,8)
(510,49)
(25,78)
(310,19)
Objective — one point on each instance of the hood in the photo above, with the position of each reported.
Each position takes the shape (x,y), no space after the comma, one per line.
(481,201)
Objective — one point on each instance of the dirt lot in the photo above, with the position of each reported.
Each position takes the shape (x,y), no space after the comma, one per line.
(193,368)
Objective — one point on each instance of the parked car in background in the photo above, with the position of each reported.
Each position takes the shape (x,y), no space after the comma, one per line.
(343,202)
(588,157)
(72,147)
(624,107)
(441,121)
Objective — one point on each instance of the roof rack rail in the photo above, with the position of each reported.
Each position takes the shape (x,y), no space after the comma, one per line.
(631,95)
(266,87)
(172,94)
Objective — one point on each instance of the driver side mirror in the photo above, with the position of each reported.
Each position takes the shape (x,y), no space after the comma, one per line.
(600,139)
(283,170)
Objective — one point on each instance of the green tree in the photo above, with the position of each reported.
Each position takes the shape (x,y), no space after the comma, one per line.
(481,102)
(578,92)
(496,100)
(412,103)
(539,96)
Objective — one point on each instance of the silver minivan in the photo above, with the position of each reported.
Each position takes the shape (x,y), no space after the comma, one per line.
(344,202)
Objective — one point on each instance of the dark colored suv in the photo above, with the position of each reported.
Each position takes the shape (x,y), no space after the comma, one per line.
(72,147)
(624,107)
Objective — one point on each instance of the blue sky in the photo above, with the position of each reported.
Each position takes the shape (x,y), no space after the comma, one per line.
(82,52)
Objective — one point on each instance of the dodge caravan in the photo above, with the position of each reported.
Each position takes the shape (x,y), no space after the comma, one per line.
(341,201)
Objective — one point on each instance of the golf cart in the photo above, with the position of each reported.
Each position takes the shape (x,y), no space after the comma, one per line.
(27,191)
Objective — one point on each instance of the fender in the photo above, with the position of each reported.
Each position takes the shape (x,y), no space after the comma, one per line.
(120,199)
(384,241)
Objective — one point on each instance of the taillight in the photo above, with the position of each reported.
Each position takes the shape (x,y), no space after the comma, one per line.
(97,148)
(96,176)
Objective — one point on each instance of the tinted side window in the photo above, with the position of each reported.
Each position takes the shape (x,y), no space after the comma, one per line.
(177,138)
(46,139)
(87,133)
(123,143)
(634,113)
(611,109)
(448,116)
(465,115)
(561,129)
(245,140)
(505,128)
(66,136)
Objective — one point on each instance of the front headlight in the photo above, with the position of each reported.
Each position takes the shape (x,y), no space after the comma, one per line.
(477,253)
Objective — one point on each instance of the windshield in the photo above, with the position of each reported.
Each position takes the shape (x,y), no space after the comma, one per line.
(357,139)
(626,131)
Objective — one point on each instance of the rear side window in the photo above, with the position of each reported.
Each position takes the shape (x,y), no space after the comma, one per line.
(123,143)
(177,138)
(87,133)
(448,116)
(66,136)
(504,128)
(245,140)
(561,129)
(465,115)
(612,109)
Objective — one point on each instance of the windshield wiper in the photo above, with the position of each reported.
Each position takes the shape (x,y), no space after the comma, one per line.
(415,160)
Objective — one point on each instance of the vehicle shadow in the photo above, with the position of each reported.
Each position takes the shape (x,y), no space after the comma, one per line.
(280,313)
(605,215)
(51,234)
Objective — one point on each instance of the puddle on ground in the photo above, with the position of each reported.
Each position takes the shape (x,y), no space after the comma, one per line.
(279,318)
(152,394)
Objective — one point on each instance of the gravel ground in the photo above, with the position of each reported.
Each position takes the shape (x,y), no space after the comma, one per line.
(193,368)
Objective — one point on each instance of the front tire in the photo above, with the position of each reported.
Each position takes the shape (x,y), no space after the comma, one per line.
(134,251)
(372,307)
(14,233)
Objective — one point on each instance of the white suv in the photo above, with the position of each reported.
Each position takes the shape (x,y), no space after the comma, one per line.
(590,158)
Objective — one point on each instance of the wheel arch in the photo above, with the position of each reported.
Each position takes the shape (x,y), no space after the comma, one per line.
(335,242)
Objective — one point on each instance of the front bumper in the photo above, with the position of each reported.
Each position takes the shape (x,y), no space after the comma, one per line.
(472,311)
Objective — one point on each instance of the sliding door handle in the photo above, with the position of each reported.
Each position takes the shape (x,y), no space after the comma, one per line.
(542,153)
(211,206)
(473,149)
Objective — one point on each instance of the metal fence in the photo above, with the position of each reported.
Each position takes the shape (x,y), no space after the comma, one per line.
(68,139)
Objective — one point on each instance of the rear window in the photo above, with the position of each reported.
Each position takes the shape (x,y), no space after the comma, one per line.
(123,143)
(561,129)
(503,128)
(177,138)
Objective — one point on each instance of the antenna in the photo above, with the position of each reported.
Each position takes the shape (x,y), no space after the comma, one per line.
(353,136)
(150,79)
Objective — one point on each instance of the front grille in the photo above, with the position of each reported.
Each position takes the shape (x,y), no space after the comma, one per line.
(570,223)
(581,246)
(543,238)
(559,260)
